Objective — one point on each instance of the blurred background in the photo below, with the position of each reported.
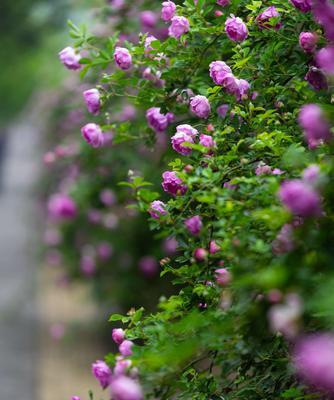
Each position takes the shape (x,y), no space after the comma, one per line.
(40,356)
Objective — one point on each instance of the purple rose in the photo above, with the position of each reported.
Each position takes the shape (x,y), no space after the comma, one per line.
(158,121)
(148,19)
(218,70)
(308,41)
(314,123)
(200,106)
(236,29)
(300,198)
(179,26)
(172,184)
(125,348)
(243,89)
(223,3)
(121,366)
(314,360)
(284,242)
(263,169)
(323,11)
(222,110)
(316,78)
(207,141)
(147,44)
(92,99)
(194,224)
(325,59)
(311,175)
(124,388)
(263,19)
(302,5)
(93,135)
(223,276)
(178,143)
(70,58)
(102,373)
(200,254)
(149,266)
(118,335)
(123,58)
(61,206)
(187,130)
(157,209)
(168,10)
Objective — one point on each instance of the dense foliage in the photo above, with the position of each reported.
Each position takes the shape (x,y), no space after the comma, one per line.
(248,193)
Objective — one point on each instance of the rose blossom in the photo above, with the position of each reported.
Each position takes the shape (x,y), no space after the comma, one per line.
(93,135)
(148,265)
(200,106)
(70,58)
(104,251)
(147,44)
(223,3)
(118,335)
(311,174)
(223,276)
(125,388)
(187,130)
(214,247)
(316,78)
(218,70)
(61,206)
(302,5)
(172,184)
(179,26)
(284,318)
(222,110)
(194,224)
(325,59)
(314,123)
(168,10)
(75,398)
(92,99)
(123,58)
(323,11)
(200,254)
(314,360)
(236,29)
(121,366)
(102,373)
(158,121)
(125,348)
(264,18)
(263,169)
(300,198)
(308,41)
(207,141)
(178,141)
(157,209)
(148,19)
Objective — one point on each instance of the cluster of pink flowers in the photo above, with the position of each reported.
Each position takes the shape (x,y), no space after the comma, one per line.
(121,385)
(222,75)
(158,121)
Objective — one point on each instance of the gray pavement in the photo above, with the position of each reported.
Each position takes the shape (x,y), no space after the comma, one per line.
(18,271)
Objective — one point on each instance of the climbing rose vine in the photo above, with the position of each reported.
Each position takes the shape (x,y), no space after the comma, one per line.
(242,91)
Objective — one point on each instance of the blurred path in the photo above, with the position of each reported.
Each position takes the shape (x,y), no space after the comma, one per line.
(18,316)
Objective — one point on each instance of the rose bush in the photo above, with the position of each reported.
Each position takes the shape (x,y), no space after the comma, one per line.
(251,205)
